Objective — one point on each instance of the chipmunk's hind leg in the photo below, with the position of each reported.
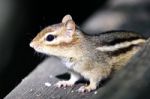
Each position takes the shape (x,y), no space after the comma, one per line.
(92,86)
(95,76)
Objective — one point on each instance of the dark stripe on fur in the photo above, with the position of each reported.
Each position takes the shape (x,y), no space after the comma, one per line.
(120,40)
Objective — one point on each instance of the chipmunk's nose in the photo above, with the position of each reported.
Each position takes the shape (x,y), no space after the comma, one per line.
(32,44)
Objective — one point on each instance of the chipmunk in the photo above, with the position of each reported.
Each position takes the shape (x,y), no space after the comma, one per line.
(91,56)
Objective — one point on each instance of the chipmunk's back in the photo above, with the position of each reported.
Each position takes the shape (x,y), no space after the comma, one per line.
(111,38)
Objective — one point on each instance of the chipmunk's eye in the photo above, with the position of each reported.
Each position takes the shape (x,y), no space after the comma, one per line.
(50,37)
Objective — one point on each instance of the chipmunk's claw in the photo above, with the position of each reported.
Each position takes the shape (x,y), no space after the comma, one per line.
(84,89)
(63,83)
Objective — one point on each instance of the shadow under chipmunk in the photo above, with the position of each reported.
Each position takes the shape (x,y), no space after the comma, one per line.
(66,76)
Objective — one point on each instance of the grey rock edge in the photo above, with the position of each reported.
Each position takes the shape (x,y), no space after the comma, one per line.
(132,82)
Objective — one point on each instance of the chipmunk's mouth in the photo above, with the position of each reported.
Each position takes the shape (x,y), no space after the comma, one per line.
(38,49)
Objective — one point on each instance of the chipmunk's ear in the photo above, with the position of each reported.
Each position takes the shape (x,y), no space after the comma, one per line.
(66,18)
(69,25)
(70,28)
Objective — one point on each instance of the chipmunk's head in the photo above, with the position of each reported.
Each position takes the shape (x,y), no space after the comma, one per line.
(57,39)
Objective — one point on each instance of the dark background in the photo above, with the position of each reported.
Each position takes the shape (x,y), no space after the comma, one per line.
(20,21)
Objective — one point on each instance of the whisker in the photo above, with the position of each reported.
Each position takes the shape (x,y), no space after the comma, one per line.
(40,55)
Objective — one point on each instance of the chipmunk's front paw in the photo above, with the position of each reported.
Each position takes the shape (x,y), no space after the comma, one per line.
(86,88)
(64,84)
